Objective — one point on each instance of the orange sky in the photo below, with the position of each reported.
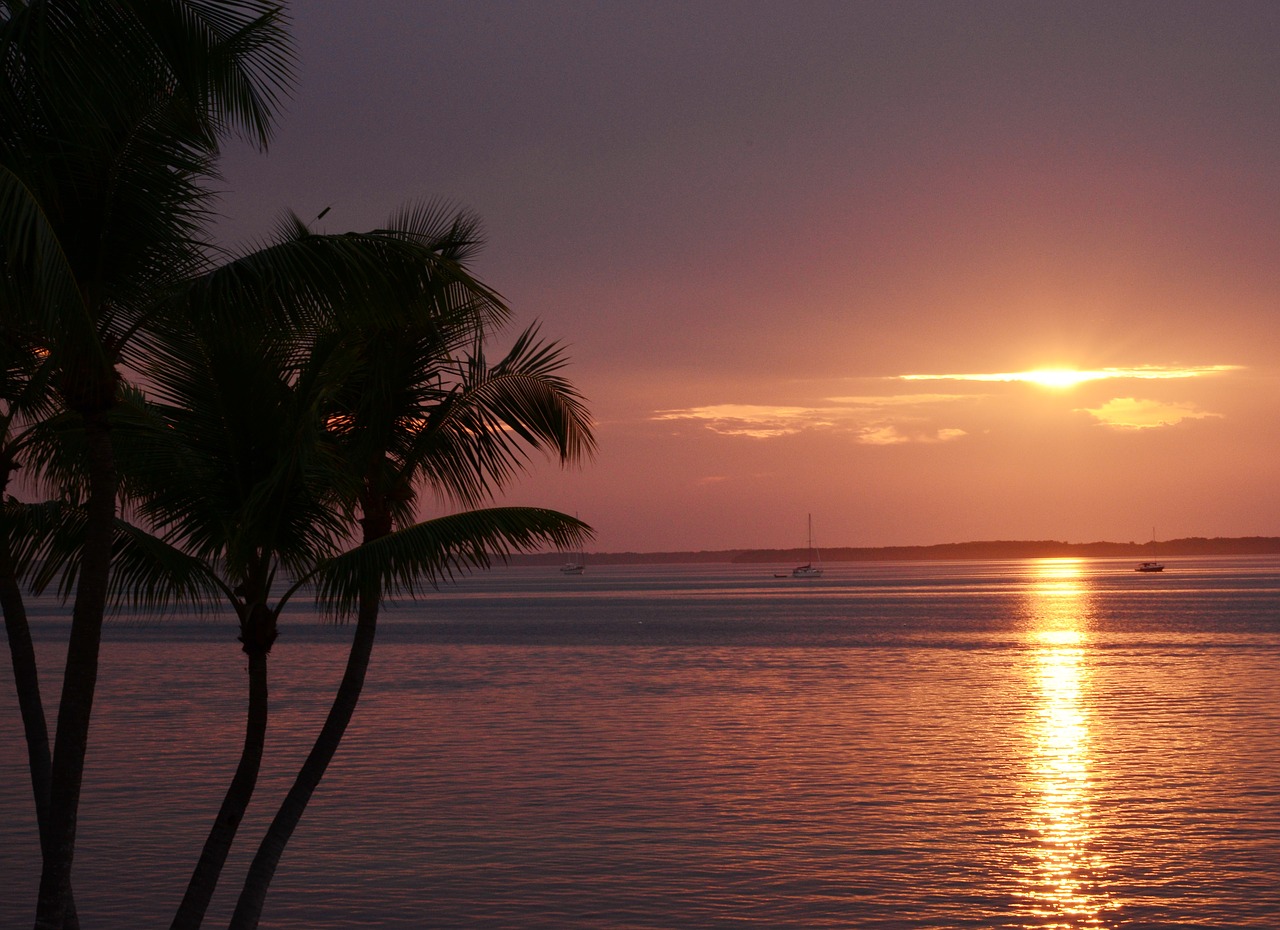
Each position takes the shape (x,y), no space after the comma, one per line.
(793,248)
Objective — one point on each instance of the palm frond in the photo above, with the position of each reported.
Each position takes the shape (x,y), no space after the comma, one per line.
(478,438)
(255,468)
(150,573)
(38,287)
(529,396)
(46,540)
(232,59)
(26,395)
(437,550)
(456,234)
(304,279)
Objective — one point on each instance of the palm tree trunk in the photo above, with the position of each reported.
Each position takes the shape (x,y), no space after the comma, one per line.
(204,880)
(26,678)
(263,868)
(80,677)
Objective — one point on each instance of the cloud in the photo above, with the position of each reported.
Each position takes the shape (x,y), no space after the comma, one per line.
(901,400)
(754,420)
(892,435)
(865,418)
(1134,414)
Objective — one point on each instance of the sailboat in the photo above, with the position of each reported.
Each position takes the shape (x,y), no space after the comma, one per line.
(812,568)
(1153,565)
(577,563)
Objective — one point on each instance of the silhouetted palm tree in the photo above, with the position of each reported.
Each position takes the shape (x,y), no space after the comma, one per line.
(240,481)
(420,408)
(110,116)
(248,474)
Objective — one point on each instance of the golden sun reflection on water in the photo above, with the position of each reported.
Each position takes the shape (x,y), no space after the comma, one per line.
(1062,890)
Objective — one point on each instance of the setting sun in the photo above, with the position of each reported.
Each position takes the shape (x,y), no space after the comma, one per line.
(1061,377)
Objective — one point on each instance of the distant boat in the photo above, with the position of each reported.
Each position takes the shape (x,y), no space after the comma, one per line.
(1153,565)
(812,568)
(577,563)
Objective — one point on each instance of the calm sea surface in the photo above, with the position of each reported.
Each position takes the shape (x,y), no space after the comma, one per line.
(1055,743)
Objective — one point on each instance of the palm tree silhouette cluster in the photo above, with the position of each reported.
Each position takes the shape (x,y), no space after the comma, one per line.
(194,427)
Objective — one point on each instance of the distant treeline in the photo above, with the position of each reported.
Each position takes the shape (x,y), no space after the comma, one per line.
(993,549)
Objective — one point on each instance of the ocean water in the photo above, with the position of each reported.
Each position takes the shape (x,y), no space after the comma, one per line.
(1029,744)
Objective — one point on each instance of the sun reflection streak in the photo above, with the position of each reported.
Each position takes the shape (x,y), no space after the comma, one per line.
(1063,891)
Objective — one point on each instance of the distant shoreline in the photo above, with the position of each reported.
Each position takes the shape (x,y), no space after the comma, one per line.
(993,549)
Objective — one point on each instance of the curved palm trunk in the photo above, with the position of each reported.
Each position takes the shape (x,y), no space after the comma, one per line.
(204,880)
(254,893)
(26,678)
(80,677)
(263,868)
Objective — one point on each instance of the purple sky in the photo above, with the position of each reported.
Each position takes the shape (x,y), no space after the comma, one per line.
(751,219)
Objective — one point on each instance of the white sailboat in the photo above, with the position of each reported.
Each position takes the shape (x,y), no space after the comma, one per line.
(812,568)
(577,563)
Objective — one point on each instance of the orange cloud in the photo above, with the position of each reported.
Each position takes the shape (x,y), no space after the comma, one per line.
(872,420)
(753,420)
(892,435)
(1133,413)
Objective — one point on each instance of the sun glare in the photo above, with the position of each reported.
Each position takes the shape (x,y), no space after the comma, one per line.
(1068,888)
(1045,377)
(1070,377)
(1060,377)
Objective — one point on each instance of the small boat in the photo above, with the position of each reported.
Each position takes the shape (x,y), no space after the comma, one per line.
(1153,565)
(577,563)
(812,568)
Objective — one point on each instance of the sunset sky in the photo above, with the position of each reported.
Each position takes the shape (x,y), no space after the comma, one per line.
(932,272)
